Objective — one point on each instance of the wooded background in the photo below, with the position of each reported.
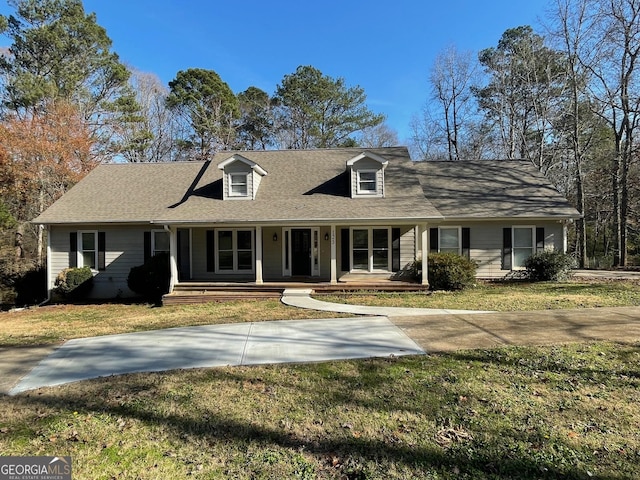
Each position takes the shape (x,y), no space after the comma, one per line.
(565,98)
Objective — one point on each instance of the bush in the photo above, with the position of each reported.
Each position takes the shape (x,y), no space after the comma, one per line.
(549,265)
(74,283)
(31,287)
(450,271)
(152,279)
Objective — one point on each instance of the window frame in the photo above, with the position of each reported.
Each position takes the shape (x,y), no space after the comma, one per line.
(450,249)
(154,250)
(532,248)
(235,250)
(371,249)
(359,182)
(80,250)
(233,183)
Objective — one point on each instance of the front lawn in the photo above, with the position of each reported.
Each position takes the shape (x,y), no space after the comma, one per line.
(508,297)
(569,412)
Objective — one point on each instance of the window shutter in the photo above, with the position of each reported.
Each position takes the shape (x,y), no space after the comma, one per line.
(466,242)
(395,249)
(73,249)
(211,263)
(539,239)
(345,250)
(147,246)
(102,246)
(433,240)
(506,248)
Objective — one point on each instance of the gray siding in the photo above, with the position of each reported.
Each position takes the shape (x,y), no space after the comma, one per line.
(124,250)
(486,244)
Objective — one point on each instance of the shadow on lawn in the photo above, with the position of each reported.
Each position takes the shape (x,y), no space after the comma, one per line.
(140,397)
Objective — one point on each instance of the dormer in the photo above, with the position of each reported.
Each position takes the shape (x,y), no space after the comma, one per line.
(367,175)
(241,178)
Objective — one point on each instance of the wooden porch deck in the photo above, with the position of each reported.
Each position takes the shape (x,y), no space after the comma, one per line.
(205,292)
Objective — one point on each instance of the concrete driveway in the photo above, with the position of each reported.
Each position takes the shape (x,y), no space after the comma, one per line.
(310,341)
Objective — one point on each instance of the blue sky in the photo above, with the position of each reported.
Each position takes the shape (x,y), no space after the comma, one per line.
(386,47)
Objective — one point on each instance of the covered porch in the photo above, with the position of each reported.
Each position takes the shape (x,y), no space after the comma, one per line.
(214,262)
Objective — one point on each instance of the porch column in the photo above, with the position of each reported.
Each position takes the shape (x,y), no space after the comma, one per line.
(424,234)
(334,261)
(50,281)
(173,256)
(259,279)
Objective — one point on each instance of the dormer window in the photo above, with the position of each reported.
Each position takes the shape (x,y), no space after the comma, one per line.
(367,181)
(241,178)
(367,175)
(238,185)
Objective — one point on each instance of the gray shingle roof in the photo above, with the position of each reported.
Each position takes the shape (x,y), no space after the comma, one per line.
(305,186)
(491,189)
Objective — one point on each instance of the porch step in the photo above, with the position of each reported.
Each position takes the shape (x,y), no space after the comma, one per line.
(186,297)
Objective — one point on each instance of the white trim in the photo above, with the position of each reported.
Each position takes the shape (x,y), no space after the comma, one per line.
(232,183)
(154,251)
(315,257)
(452,227)
(234,250)
(424,256)
(80,251)
(370,249)
(173,255)
(334,260)
(513,244)
(239,158)
(372,156)
(361,191)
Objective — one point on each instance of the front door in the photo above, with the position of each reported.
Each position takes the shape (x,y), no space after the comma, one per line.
(301,252)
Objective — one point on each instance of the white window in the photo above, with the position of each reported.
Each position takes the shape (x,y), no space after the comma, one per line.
(88,249)
(235,252)
(523,245)
(370,249)
(367,181)
(450,240)
(238,184)
(159,242)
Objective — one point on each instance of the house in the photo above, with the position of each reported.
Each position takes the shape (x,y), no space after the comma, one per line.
(312,215)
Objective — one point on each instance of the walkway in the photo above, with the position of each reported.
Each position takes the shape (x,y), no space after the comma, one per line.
(298,297)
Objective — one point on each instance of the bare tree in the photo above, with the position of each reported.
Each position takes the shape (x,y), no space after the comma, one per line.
(451,77)
(610,52)
(151,136)
(379,136)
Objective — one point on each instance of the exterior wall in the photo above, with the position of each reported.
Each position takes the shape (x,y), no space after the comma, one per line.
(124,250)
(486,243)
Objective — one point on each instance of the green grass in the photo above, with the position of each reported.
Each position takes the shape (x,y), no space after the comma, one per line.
(507,297)
(56,323)
(569,412)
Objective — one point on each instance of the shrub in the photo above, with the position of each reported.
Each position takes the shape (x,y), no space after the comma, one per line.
(549,265)
(450,271)
(151,280)
(31,287)
(74,283)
